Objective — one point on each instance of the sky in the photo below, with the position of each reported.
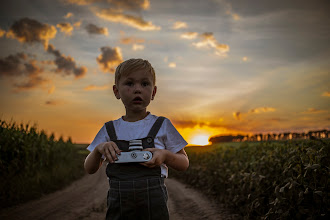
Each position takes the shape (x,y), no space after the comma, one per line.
(222,67)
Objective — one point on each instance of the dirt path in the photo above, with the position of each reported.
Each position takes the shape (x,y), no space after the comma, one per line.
(86,199)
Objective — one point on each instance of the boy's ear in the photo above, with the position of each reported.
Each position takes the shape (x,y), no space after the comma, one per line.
(154,93)
(115,91)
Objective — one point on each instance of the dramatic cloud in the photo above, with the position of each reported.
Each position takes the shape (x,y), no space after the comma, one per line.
(326,94)
(130,20)
(77,24)
(66,28)
(237,115)
(28,30)
(68,15)
(19,65)
(189,35)
(109,59)
(93,29)
(314,111)
(131,40)
(262,109)
(2,32)
(66,64)
(208,40)
(93,88)
(179,25)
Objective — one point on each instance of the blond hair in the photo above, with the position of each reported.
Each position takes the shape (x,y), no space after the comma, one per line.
(130,65)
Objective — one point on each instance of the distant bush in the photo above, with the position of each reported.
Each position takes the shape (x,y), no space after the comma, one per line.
(278,180)
(32,164)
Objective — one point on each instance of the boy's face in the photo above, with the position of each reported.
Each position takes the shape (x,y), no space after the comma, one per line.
(136,90)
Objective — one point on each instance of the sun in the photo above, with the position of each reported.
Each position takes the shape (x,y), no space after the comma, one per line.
(200,139)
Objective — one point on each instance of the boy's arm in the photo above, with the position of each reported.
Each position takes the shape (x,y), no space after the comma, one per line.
(94,159)
(178,161)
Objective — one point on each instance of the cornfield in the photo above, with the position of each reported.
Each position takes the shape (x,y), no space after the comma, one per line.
(268,180)
(32,163)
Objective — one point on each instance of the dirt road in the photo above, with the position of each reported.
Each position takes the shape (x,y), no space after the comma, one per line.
(86,199)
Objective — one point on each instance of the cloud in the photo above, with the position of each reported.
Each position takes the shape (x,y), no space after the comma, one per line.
(137,47)
(245,59)
(208,40)
(262,109)
(326,94)
(172,65)
(313,111)
(66,28)
(179,25)
(51,90)
(18,66)
(130,20)
(109,59)
(27,30)
(81,2)
(2,33)
(93,87)
(132,5)
(131,40)
(93,29)
(189,35)
(68,15)
(237,115)
(66,64)
(77,24)
(54,102)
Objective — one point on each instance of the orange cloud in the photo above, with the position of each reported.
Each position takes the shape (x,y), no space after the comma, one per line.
(208,40)
(82,2)
(93,29)
(66,64)
(132,5)
(93,87)
(51,90)
(262,109)
(314,111)
(2,32)
(237,115)
(130,20)
(172,65)
(68,15)
(66,28)
(179,25)
(137,47)
(189,35)
(27,30)
(109,59)
(326,94)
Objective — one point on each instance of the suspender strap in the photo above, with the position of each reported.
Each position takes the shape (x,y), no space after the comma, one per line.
(111,130)
(155,128)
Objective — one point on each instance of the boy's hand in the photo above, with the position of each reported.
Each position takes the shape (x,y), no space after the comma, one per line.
(158,157)
(109,150)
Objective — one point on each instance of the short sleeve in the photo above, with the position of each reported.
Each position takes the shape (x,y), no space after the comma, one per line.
(173,140)
(102,136)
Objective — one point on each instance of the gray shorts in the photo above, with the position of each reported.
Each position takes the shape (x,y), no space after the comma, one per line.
(144,199)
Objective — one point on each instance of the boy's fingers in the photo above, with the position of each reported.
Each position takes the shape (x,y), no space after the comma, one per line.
(108,155)
(115,147)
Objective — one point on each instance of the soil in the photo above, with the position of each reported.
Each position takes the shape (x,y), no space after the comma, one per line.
(86,199)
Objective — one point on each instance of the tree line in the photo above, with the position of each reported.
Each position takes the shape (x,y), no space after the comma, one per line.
(270,137)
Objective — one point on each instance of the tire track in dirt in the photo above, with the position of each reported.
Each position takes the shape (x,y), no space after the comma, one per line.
(85,199)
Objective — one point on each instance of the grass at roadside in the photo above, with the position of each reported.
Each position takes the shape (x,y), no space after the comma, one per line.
(33,164)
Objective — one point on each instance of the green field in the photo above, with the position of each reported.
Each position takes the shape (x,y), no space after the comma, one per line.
(33,164)
(265,180)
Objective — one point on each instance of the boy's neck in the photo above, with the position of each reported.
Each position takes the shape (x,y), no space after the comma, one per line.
(135,116)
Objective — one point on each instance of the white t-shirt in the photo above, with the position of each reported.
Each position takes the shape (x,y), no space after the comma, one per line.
(167,137)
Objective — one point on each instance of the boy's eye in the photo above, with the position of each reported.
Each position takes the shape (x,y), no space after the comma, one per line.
(145,84)
(129,84)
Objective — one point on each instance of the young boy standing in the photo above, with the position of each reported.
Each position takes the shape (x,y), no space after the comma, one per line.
(137,190)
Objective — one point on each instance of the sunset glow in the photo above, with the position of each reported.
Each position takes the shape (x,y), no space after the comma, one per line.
(200,140)
(222,67)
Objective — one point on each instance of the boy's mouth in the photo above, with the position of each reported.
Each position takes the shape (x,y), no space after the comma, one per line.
(137,100)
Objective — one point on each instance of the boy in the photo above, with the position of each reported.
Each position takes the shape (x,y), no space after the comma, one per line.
(137,190)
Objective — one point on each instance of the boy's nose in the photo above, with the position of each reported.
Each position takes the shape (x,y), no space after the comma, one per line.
(137,89)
